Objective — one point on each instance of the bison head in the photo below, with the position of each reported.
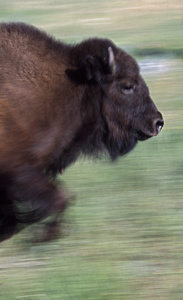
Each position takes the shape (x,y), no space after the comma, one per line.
(122,107)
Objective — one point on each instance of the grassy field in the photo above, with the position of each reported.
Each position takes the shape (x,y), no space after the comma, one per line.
(123,237)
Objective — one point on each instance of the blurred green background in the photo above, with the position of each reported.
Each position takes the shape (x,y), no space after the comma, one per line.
(123,237)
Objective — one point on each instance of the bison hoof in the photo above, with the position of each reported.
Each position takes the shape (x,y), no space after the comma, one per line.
(50,231)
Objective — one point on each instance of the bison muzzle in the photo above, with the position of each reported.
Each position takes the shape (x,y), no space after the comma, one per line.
(58,102)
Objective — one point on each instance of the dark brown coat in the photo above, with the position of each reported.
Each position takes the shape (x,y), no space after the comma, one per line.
(57,102)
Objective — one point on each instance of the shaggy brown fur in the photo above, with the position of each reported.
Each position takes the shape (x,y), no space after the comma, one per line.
(57,102)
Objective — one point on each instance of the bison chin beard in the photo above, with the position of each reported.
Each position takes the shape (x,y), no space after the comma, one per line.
(120,147)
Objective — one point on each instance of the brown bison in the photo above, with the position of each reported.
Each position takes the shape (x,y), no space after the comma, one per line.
(58,102)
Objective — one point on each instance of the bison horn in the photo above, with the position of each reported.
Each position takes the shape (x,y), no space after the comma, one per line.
(112,63)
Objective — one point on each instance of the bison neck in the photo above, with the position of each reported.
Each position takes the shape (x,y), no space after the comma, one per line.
(87,132)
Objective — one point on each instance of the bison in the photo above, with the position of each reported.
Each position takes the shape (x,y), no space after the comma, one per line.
(58,102)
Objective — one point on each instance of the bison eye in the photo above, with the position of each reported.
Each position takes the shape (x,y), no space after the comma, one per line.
(127,89)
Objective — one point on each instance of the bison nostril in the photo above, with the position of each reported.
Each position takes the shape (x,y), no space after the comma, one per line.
(158,125)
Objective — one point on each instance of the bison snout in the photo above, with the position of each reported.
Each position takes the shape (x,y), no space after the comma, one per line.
(151,128)
(157,125)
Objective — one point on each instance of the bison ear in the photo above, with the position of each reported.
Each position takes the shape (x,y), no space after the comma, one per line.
(94,70)
(91,70)
(97,68)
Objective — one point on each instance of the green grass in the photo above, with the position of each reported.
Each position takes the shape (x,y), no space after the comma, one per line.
(123,237)
(130,23)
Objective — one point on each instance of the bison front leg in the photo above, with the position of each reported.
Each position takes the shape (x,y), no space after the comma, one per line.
(34,197)
(52,229)
(8,222)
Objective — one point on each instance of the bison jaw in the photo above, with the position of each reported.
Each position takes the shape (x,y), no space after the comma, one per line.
(120,147)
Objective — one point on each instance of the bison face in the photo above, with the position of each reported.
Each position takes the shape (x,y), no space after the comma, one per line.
(127,112)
